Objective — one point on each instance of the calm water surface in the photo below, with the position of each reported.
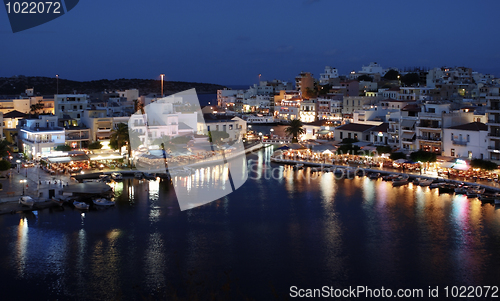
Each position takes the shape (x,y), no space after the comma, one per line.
(282,229)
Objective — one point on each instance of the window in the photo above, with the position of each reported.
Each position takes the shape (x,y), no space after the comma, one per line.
(341,135)
(468,138)
(452,136)
(469,154)
(452,152)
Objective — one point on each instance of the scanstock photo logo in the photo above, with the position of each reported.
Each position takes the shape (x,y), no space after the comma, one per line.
(28,14)
(205,166)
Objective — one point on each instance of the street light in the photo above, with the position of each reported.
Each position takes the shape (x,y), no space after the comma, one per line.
(22,183)
(18,167)
(57,83)
(162,75)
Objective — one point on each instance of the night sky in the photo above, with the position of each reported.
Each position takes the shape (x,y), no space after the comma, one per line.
(231,42)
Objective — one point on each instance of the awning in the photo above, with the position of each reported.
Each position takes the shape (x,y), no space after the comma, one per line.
(447,165)
(408,123)
(408,135)
(95,157)
(68,159)
(324,132)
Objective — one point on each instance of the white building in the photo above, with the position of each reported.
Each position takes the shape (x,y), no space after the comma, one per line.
(468,140)
(40,136)
(329,73)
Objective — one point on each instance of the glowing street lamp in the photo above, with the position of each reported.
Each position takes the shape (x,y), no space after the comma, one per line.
(57,83)
(22,183)
(162,75)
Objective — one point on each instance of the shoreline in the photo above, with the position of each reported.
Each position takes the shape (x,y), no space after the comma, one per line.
(381,171)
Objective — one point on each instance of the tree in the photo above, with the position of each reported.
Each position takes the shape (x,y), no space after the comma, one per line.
(410,79)
(217,136)
(483,164)
(384,149)
(398,155)
(309,93)
(348,149)
(95,145)
(391,75)
(36,107)
(120,137)
(423,156)
(4,148)
(365,78)
(295,129)
(4,165)
(63,148)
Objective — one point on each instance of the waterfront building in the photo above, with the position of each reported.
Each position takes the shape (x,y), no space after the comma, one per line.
(234,126)
(307,111)
(329,109)
(354,131)
(100,125)
(493,124)
(39,136)
(379,134)
(468,140)
(407,130)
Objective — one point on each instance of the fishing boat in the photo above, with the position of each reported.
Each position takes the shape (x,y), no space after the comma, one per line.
(399,181)
(436,184)
(27,201)
(298,166)
(447,187)
(489,197)
(374,175)
(103,202)
(461,189)
(389,177)
(57,201)
(474,192)
(81,205)
(425,182)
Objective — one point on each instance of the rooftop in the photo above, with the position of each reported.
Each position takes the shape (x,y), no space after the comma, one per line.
(472,126)
(355,127)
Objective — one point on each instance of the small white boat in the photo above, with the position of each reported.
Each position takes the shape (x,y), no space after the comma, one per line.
(103,202)
(138,175)
(57,201)
(81,205)
(399,181)
(27,201)
(116,176)
(425,182)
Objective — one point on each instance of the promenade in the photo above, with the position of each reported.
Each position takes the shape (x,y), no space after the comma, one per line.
(429,174)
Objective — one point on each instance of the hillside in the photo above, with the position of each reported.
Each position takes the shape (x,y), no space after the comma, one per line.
(16,85)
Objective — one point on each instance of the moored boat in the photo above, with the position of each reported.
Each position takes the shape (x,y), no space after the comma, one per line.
(374,175)
(489,197)
(116,176)
(389,177)
(103,202)
(57,201)
(447,188)
(399,181)
(81,205)
(27,201)
(425,182)
(461,189)
(138,175)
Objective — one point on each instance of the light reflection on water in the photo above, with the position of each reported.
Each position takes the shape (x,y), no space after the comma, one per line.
(285,227)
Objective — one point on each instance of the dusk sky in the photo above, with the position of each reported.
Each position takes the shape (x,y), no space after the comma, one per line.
(231,42)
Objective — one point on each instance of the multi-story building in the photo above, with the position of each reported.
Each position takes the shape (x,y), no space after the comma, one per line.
(329,74)
(99,123)
(468,140)
(352,103)
(38,137)
(70,104)
(234,126)
(329,109)
(303,81)
(407,127)
(430,126)
(493,111)
(308,110)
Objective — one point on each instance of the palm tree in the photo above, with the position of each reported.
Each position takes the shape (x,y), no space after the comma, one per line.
(295,129)
(120,137)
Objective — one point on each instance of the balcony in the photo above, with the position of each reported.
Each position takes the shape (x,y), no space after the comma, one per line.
(494,121)
(72,138)
(427,138)
(38,141)
(392,131)
(459,142)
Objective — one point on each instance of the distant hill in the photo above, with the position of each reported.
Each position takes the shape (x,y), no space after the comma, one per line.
(16,85)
